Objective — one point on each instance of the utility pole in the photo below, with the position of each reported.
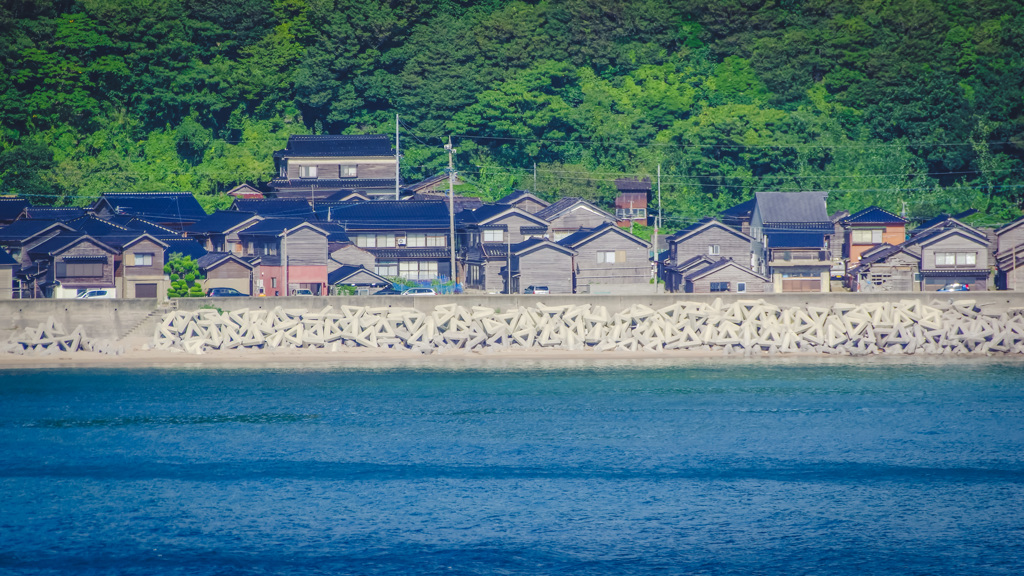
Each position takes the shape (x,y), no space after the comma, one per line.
(534,177)
(398,158)
(451,207)
(657,224)
(508,263)
(284,259)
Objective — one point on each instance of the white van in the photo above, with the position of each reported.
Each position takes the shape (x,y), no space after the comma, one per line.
(98,293)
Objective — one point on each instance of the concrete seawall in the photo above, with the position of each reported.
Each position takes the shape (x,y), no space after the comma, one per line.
(118,319)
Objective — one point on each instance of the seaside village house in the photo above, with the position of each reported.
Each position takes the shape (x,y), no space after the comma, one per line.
(869,228)
(790,232)
(951,252)
(631,203)
(725,275)
(73,263)
(525,201)
(1010,255)
(486,234)
(293,256)
(173,210)
(226,270)
(569,215)
(219,232)
(540,262)
(886,268)
(609,260)
(315,167)
(140,266)
(700,245)
(7,266)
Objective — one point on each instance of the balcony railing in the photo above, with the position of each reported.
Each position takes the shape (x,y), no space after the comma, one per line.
(797,257)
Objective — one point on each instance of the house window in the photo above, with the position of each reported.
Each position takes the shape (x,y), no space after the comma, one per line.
(348,171)
(79,269)
(418,269)
(956,258)
(494,235)
(866,236)
(273,282)
(966,258)
(714,250)
(719,286)
(387,268)
(606,257)
(270,249)
(143,259)
(307,171)
(741,286)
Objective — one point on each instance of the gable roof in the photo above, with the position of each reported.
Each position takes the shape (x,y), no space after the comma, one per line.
(1010,226)
(490,212)
(938,234)
(804,209)
(873,215)
(701,260)
(565,205)
(11,208)
(129,238)
(326,145)
(719,265)
(462,203)
(221,222)
(950,223)
(743,210)
(157,206)
(581,237)
(519,195)
(245,190)
(6,260)
(66,240)
(534,244)
(344,273)
(880,254)
(183,246)
(282,207)
(702,226)
(275,227)
(22,230)
(344,196)
(143,225)
(633,185)
(213,259)
(94,226)
(51,213)
(392,215)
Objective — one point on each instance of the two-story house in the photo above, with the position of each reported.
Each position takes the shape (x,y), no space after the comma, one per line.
(293,255)
(708,237)
(315,167)
(869,228)
(886,268)
(631,202)
(951,252)
(485,235)
(540,262)
(609,260)
(569,215)
(790,232)
(73,263)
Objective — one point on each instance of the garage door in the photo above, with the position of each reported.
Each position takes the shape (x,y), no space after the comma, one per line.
(801,284)
(145,290)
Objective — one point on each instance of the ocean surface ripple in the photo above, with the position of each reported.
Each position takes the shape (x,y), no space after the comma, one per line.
(617,467)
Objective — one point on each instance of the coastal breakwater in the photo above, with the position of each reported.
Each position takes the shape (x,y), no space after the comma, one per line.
(738,327)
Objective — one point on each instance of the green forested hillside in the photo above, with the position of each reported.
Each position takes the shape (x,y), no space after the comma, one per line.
(876,101)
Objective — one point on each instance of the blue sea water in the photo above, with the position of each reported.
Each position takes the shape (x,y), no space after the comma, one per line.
(559,467)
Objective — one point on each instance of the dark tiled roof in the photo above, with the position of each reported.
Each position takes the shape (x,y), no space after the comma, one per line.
(535,243)
(344,272)
(119,241)
(325,145)
(873,215)
(484,213)
(393,215)
(48,213)
(793,208)
(220,222)
(707,223)
(330,183)
(782,240)
(518,195)
(143,225)
(94,226)
(692,263)
(344,196)
(64,240)
(414,253)
(184,246)
(741,211)
(274,207)
(579,237)
(21,230)
(211,259)
(925,236)
(335,231)
(555,210)
(276,226)
(631,184)
(462,203)
(157,206)
(10,208)
(6,260)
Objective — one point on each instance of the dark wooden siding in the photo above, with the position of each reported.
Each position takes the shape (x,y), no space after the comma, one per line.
(580,218)
(546,267)
(144,247)
(730,246)
(306,248)
(635,269)
(733,276)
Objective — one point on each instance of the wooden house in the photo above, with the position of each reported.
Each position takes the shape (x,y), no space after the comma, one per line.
(570,215)
(485,235)
(315,167)
(607,256)
(174,210)
(407,239)
(246,191)
(139,265)
(886,268)
(675,274)
(1009,255)
(540,262)
(790,232)
(871,227)
(726,275)
(226,270)
(293,255)
(952,252)
(73,263)
(709,237)
(19,237)
(486,265)
(219,231)
(631,202)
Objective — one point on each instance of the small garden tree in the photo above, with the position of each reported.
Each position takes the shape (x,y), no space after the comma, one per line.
(183,271)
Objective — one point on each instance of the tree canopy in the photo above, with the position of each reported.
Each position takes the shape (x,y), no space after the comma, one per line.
(914,103)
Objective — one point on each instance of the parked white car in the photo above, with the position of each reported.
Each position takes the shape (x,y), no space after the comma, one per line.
(419,292)
(99,293)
